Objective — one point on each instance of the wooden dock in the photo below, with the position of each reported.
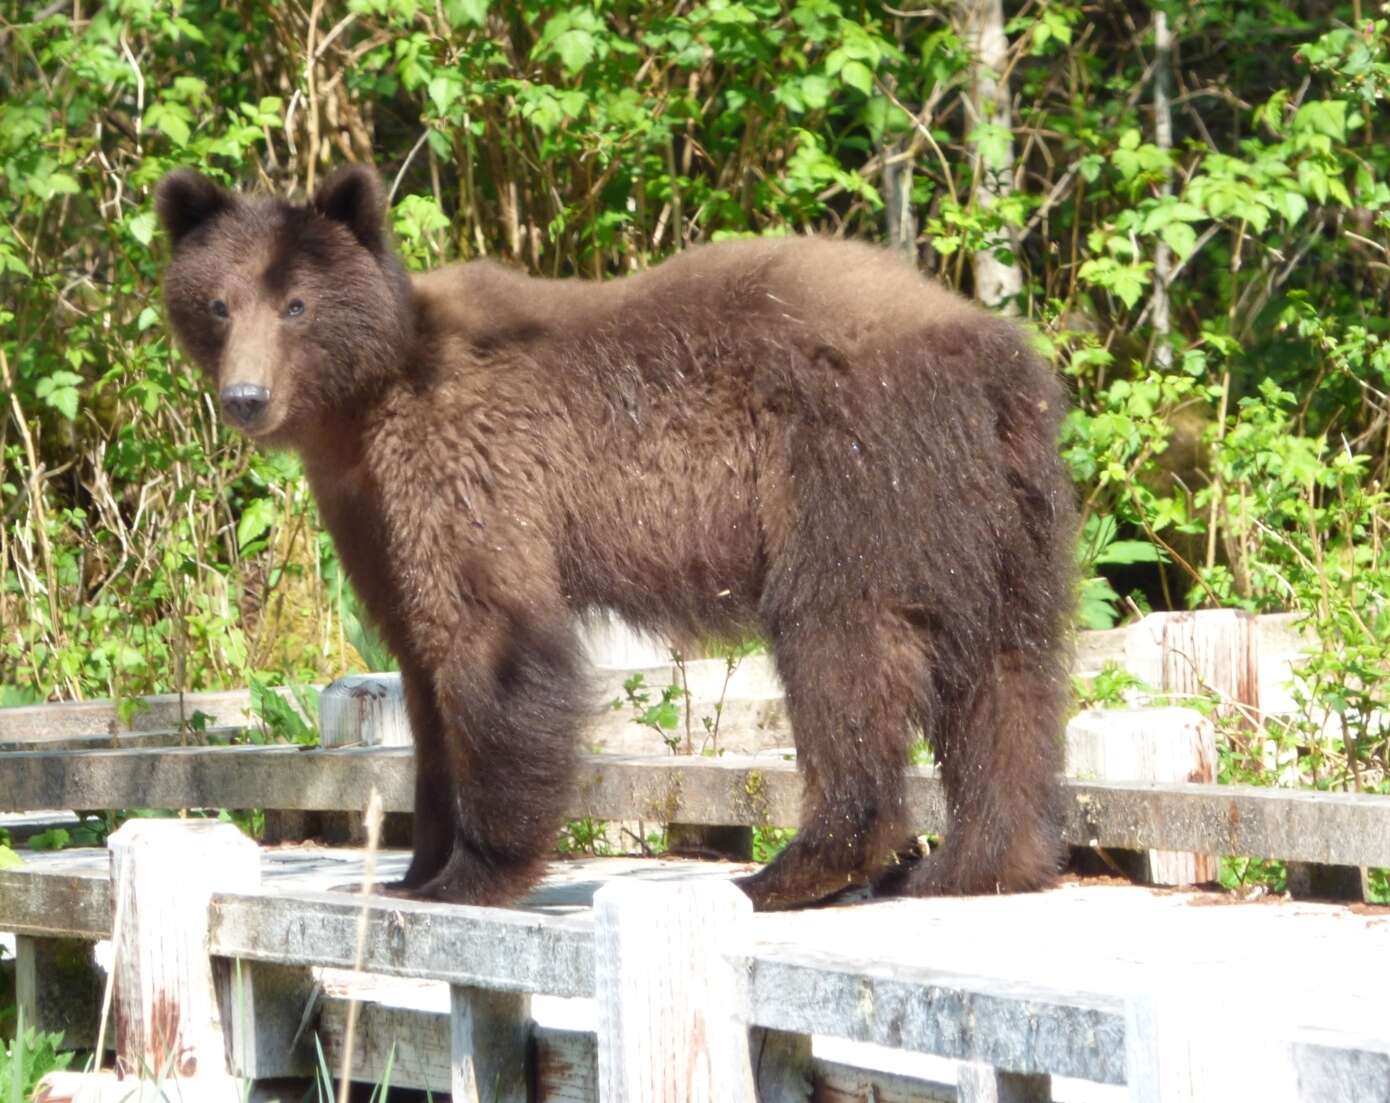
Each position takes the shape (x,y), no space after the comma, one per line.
(1032,985)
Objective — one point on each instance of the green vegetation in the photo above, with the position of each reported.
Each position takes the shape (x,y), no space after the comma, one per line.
(1189,204)
(26,1058)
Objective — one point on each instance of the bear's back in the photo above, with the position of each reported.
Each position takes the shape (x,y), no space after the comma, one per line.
(842,293)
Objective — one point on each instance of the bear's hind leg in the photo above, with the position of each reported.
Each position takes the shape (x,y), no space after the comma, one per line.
(1001,754)
(849,691)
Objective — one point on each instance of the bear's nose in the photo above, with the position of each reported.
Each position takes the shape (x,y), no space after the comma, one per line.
(244,403)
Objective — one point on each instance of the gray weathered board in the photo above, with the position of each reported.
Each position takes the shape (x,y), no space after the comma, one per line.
(1031,984)
(1339,828)
(754,715)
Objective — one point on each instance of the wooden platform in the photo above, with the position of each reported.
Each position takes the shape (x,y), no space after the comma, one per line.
(1032,983)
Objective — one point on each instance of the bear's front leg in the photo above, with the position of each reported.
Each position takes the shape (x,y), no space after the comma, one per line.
(510,704)
(432,836)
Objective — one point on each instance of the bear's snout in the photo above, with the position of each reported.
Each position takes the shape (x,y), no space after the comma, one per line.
(245,403)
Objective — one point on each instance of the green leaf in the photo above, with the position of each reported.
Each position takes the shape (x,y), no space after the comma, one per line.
(1126,552)
(994,143)
(256,519)
(169,119)
(1181,237)
(815,90)
(142,227)
(575,49)
(55,838)
(443,90)
(60,183)
(9,859)
(1098,605)
(1327,117)
(460,12)
(858,75)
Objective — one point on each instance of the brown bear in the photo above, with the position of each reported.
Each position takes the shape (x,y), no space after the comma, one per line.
(800,438)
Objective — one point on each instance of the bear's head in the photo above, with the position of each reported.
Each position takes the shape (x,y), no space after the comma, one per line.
(296,314)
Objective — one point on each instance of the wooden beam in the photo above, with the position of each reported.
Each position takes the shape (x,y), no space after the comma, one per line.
(63,720)
(1020,1028)
(1337,828)
(513,951)
(565,1064)
(53,905)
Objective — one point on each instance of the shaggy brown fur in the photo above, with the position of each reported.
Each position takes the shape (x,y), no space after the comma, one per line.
(801,438)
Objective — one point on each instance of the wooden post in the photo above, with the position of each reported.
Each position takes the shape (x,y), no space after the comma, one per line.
(727,842)
(611,641)
(58,987)
(490,1035)
(667,998)
(979,1083)
(1170,744)
(263,1007)
(782,1066)
(360,710)
(364,710)
(1183,1046)
(163,875)
(1214,650)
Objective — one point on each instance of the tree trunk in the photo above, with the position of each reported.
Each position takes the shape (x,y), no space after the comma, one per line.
(998,282)
(1163,138)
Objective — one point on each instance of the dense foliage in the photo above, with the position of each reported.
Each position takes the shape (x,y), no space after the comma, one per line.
(1192,199)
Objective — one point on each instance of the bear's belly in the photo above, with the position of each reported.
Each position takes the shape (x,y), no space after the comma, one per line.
(683,557)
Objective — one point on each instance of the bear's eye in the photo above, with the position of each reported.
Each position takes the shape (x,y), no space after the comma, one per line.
(218,308)
(295,309)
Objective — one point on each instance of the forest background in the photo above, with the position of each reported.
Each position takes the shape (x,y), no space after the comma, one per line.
(1187,203)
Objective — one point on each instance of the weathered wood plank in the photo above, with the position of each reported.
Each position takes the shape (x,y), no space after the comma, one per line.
(486,947)
(58,988)
(934,982)
(783,1069)
(261,1007)
(197,777)
(1151,744)
(54,905)
(365,710)
(1179,1044)
(61,720)
(566,1061)
(1340,1068)
(163,872)
(136,740)
(979,1083)
(1015,1026)
(1339,828)
(490,1033)
(667,1000)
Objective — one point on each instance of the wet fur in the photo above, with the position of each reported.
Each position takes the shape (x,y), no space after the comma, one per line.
(801,438)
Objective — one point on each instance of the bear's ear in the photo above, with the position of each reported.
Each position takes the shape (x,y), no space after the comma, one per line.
(185,199)
(353,196)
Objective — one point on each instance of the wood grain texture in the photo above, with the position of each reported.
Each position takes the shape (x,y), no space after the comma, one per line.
(366,710)
(58,988)
(486,947)
(1148,744)
(163,874)
(1336,828)
(978,1083)
(668,1003)
(490,1036)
